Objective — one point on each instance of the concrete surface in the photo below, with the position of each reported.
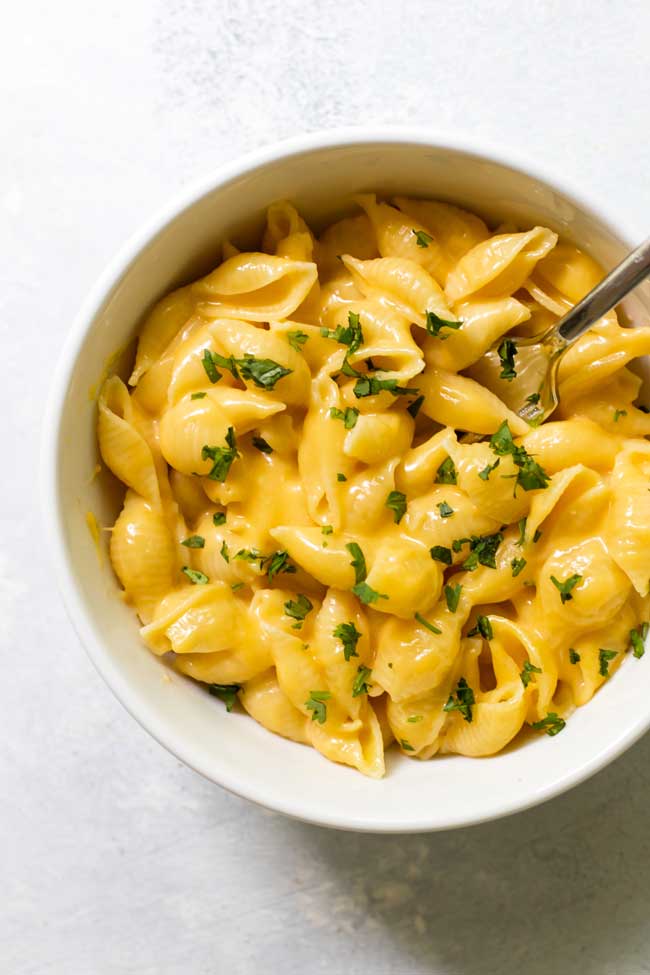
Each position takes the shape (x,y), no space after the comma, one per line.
(114,858)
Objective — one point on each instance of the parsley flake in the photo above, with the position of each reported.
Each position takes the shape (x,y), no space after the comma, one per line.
(367,594)
(530,476)
(552,724)
(298,608)
(194,541)
(326,530)
(487,470)
(446,473)
(396,501)
(195,577)
(278,563)
(349,636)
(604,657)
(429,626)
(618,414)
(452,595)
(222,457)
(199,395)
(262,445)
(482,628)
(341,477)
(219,518)
(574,656)
(483,550)
(297,339)
(316,704)
(226,693)
(446,511)
(349,416)
(358,562)
(350,334)
(637,640)
(415,718)
(225,554)
(517,566)
(422,238)
(372,385)
(528,673)
(434,325)
(564,588)
(414,407)
(441,554)
(209,364)
(360,683)
(406,745)
(507,352)
(463,700)
(521,525)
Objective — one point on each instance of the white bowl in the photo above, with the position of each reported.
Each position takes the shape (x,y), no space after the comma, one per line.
(316,172)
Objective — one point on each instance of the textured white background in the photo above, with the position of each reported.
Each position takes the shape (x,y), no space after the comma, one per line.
(114,858)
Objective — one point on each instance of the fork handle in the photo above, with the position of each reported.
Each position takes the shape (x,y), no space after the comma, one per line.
(618,283)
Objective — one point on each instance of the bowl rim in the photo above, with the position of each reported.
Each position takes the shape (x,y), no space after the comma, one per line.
(52,506)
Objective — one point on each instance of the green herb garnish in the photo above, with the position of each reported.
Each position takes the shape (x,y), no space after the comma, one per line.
(452,595)
(360,683)
(574,656)
(225,692)
(349,416)
(552,724)
(446,511)
(222,457)
(358,562)
(396,501)
(604,657)
(564,588)
(278,563)
(618,414)
(341,477)
(414,407)
(446,473)
(487,470)
(637,640)
(196,577)
(517,566)
(367,594)
(406,745)
(194,541)
(441,554)
(349,636)
(422,238)
(434,325)
(199,395)
(225,554)
(483,627)
(530,475)
(219,518)
(429,626)
(316,704)
(297,339)
(463,700)
(528,673)
(298,608)
(262,445)
(507,352)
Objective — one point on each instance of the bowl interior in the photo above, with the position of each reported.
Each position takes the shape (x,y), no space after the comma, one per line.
(232,749)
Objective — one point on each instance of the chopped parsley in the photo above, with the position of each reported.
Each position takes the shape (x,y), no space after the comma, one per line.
(618,414)
(396,501)
(367,594)
(482,550)
(452,595)
(507,352)
(262,445)
(604,658)
(415,718)
(533,399)
(219,518)
(521,525)
(434,325)
(316,704)
(298,608)
(422,238)
(552,724)
(637,640)
(349,416)
(414,407)
(350,334)
(297,339)
(326,530)
(446,473)
(194,541)
(517,566)
(482,628)
(341,477)
(349,636)
(361,683)
(264,373)
(446,511)
(372,385)
(226,693)
(429,626)
(487,470)
(574,656)
(210,366)
(463,700)
(198,395)
(406,745)
(441,554)
(225,554)
(236,586)
(528,673)
(537,536)
(222,457)
(530,476)
(195,577)
(564,588)
(358,562)
(278,563)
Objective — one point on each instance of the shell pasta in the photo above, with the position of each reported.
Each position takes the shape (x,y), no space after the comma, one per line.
(307,531)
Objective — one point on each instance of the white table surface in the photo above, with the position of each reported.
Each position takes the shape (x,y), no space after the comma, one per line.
(114,858)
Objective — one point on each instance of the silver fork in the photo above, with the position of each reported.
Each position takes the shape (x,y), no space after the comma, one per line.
(538,357)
